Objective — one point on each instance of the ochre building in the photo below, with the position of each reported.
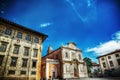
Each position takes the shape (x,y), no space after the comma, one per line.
(20,52)
(64,62)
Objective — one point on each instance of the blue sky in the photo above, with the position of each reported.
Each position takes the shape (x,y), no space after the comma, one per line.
(92,24)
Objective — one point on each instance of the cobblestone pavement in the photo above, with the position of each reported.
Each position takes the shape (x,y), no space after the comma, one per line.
(96,79)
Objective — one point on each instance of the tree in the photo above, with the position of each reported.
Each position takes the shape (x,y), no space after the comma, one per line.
(88,64)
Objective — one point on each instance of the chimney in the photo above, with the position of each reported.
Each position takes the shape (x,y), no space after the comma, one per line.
(50,49)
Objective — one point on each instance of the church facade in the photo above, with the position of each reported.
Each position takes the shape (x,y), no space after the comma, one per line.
(64,62)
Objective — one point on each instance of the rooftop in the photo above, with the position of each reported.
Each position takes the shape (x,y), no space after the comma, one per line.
(23,27)
(109,53)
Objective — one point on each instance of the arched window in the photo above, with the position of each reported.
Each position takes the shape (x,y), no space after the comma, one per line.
(79,57)
(66,55)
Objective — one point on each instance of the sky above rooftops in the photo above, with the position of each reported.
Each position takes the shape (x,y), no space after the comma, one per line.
(94,25)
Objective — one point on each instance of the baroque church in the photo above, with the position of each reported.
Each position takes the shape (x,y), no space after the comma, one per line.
(64,62)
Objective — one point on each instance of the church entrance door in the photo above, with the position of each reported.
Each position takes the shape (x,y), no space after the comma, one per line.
(75,72)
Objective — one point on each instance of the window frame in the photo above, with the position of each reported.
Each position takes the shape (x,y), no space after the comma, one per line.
(109,57)
(34,65)
(117,55)
(13,63)
(103,59)
(22,72)
(111,63)
(118,61)
(35,53)
(36,40)
(16,47)
(8,31)
(19,35)
(3,47)
(104,65)
(33,72)
(24,62)
(28,37)
(26,51)
(66,55)
(13,72)
(80,57)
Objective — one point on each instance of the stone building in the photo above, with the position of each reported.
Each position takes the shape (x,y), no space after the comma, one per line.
(109,61)
(64,62)
(20,52)
(94,67)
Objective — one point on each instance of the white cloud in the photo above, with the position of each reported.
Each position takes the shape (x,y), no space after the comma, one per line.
(45,24)
(107,47)
(116,36)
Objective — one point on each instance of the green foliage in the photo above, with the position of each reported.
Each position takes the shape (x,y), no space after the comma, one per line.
(88,63)
(96,73)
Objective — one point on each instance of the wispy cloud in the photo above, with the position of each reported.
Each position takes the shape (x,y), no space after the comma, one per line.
(108,46)
(116,36)
(75,10)
(45,24)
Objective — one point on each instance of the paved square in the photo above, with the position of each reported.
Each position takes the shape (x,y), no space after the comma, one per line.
(96,79)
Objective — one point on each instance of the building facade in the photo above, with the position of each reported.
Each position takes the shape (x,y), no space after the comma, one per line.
(94,67)
(65,62)
(109,61)
(20,52)
(95,70)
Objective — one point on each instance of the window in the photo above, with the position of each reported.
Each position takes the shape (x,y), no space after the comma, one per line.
(8,31)
(19,35)
(24,63)
(117,55)
(35,52)
(102,59)
(13,61)
(11,72)
(118,60)
(33,72)
(36,40)
(1,59)
(111,63)
(34,63)
(3,47)
(28,38)
(66,55)
(16,49)
(26,51)
(23,72)
(79,57)
(109,57)
(104,65)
